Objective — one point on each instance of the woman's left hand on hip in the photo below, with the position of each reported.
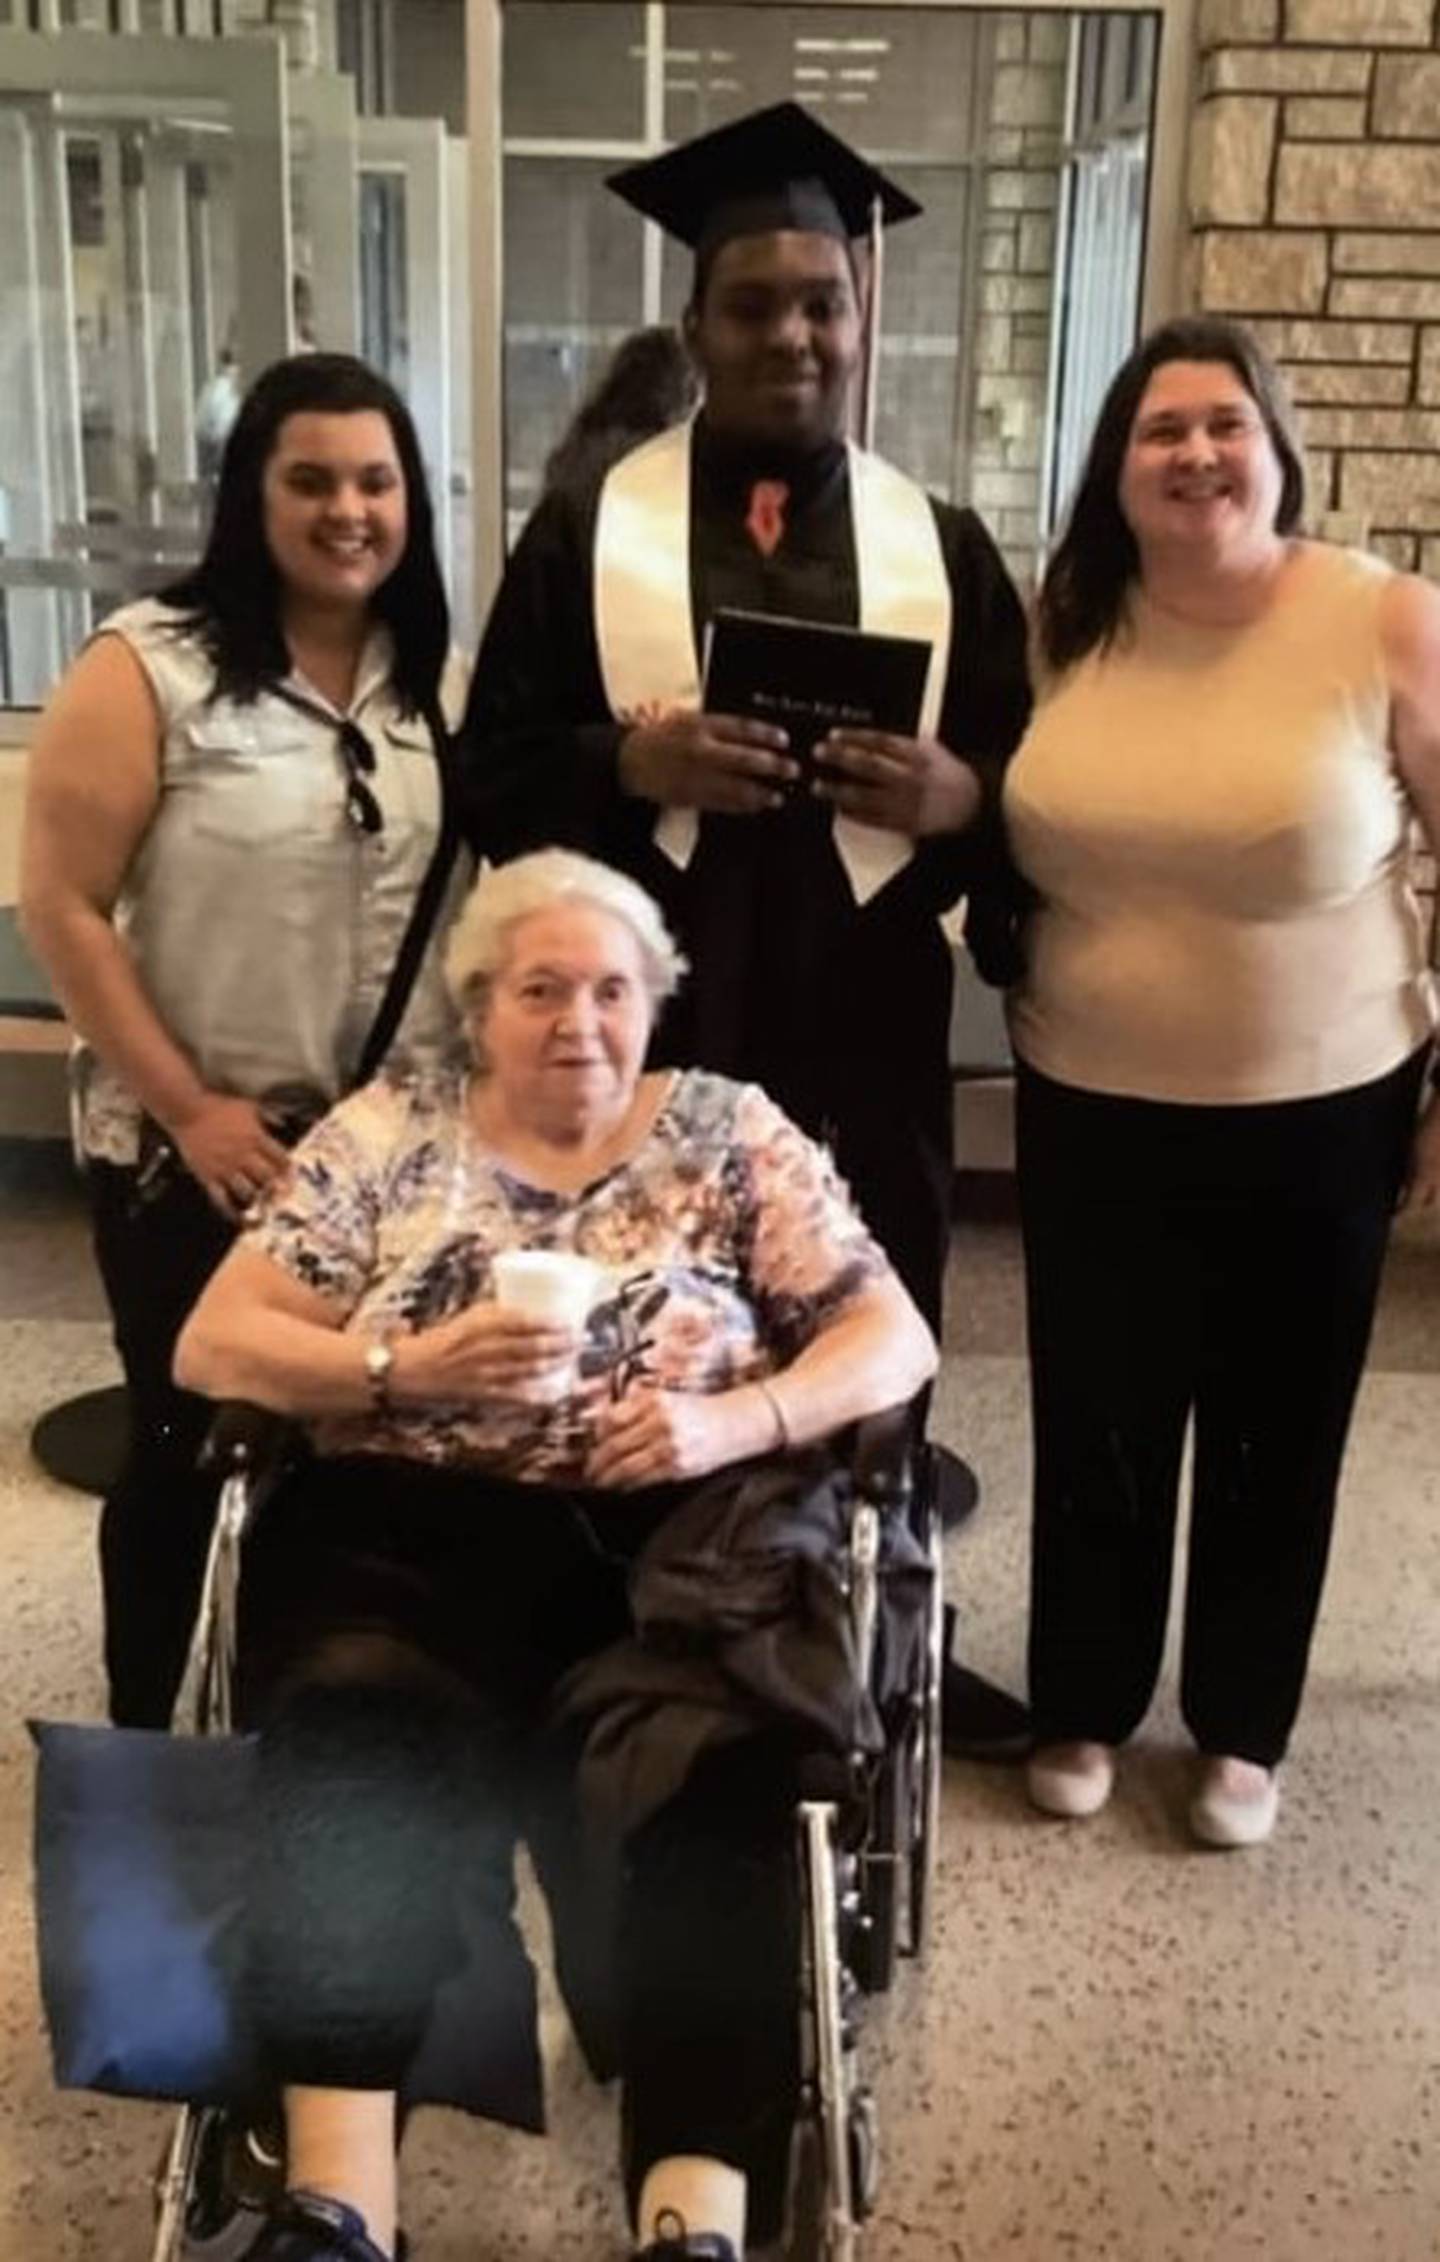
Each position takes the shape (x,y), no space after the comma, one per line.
(1422,1182)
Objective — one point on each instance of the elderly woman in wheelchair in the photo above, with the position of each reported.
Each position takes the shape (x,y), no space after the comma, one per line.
(440,1600)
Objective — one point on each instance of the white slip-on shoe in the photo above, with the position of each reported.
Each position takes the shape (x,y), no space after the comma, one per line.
(1071,1780)
(1236,1804)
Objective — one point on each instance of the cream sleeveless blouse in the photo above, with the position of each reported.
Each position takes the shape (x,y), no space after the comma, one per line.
(1215,827)
(264,926)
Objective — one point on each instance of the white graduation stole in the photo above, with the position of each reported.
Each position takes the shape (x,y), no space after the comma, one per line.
(644,630)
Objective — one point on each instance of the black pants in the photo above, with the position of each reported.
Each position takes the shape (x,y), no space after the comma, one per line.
(843,1018)
(402,1629)
(154,1259)
(1216,1261)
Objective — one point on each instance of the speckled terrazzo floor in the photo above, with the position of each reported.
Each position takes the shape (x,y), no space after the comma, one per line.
(1119,2051)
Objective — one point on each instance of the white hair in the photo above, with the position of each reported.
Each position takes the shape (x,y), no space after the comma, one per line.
(479,941)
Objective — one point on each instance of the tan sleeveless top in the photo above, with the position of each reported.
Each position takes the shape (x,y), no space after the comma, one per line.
(1214,824)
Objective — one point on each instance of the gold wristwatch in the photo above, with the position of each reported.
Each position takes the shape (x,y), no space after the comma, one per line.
(379,1362)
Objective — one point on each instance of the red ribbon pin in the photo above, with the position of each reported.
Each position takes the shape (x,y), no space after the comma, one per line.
(765,519)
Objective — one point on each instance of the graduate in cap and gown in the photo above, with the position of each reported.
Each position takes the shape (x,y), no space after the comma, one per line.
(809,909)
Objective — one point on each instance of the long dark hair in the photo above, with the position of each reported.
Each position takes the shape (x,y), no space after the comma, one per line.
(648,384)
(233,596)
(1083,593)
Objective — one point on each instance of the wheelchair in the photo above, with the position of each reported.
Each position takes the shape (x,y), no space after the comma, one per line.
(866,1830)
(867,1897)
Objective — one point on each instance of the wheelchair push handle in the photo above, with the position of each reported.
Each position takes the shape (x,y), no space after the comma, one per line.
(882,1458)
(246,1440)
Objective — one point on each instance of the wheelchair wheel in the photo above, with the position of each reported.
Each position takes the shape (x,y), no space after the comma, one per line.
(833,2147)
(876,1946)
(805,2214)
(897,1864)
(924,1820)
(813,2233)
(864,2129)
(175,2181)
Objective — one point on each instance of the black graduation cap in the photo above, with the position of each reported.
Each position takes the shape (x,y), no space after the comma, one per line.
(775,169)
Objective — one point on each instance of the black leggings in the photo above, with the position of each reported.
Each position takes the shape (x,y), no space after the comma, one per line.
(154,1259)
(1220,1261)
(401,1631)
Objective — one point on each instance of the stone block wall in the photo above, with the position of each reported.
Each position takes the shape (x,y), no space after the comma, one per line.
(1314,191)
(1019,181)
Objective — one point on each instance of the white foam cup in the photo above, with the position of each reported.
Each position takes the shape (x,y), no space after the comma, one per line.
(554,1285)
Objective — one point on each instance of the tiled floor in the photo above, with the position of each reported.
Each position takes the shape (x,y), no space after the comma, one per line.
(1119,2051)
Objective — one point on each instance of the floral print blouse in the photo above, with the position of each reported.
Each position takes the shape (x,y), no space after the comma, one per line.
(727,1240)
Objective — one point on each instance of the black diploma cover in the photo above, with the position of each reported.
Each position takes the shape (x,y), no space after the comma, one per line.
(808,678)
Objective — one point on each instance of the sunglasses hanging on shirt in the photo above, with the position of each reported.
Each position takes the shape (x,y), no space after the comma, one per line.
(363,808)
(357,757)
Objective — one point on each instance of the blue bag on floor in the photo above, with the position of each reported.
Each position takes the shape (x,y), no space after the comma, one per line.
(140,1865)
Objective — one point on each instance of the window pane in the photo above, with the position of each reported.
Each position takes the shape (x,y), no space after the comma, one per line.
(572,251)
(574,71)
(384,308)
(546,378)
(425,63)
(572,290)
(918,403)
(924,259)
(887,79)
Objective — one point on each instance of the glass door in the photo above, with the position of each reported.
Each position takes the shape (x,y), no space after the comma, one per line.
(146,260)
(1102,231)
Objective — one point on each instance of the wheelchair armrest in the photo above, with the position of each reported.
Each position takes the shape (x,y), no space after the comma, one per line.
(882,1457)
(246,1440)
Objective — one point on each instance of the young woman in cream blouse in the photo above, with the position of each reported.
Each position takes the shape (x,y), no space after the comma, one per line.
(233,801)
(1222,1030)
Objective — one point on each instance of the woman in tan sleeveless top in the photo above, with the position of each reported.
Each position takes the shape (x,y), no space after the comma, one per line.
(1221,1034)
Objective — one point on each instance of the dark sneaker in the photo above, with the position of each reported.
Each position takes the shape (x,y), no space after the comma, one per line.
(231,2238)
(675,2244)
(307,2227)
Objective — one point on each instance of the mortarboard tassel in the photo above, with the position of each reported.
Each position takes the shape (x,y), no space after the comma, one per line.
(870,345)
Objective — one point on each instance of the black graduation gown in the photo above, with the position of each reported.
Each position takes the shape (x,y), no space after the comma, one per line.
(840,1012)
